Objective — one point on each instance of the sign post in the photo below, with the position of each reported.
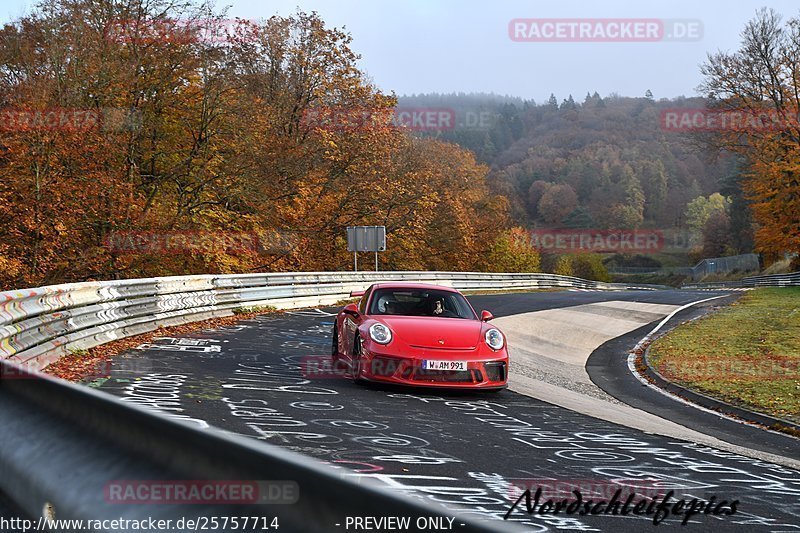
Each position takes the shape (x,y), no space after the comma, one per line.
(366,239)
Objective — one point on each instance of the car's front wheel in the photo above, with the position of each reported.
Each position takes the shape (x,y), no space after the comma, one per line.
(335,343)
(357,360)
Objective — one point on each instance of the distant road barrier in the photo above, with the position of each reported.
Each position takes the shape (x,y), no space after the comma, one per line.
(774,280)
(39,325)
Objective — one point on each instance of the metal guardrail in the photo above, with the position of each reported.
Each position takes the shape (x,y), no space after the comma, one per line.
(61,443)
(773,280)
(37,326)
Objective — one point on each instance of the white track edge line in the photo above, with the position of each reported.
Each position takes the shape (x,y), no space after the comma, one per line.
(673,396)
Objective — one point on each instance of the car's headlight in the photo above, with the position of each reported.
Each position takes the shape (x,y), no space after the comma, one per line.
(380,333)
(494,339)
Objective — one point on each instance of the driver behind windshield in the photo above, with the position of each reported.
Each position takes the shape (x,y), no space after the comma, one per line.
(437,307)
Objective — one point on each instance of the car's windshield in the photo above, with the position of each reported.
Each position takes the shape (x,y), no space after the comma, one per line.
(420,302)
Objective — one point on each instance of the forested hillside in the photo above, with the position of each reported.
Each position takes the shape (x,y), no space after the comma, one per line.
(599,162)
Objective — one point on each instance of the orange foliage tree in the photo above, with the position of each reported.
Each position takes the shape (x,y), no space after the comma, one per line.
(195,136)
(761,83)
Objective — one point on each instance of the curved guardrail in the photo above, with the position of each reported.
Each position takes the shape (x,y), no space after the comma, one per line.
(62,443)
(39,325)
(773,280)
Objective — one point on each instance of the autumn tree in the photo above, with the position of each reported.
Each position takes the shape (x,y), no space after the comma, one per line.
(535,193)
(589,266)
(512,251)
(198,134)
(563,266)
(761,79)
(654,181)
(699,210)
(582,265)
(557,202)
(716,233)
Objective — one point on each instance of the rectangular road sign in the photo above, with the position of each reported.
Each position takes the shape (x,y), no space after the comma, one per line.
(366,238)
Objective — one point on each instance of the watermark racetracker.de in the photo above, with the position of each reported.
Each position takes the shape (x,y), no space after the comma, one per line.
(731,368)
(199,241)
(67,119)
(704,120)
(179,31)
(99,370)
(567,240)
(595,30)
(200,492)
(413,119)
(324,367)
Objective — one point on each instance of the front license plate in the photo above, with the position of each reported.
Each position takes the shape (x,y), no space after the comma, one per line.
(432,364)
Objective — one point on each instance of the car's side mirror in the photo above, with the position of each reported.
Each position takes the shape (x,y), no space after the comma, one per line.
(356,294)
(351,309)
(486,316)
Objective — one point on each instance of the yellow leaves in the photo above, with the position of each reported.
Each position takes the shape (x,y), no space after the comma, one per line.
(10,268)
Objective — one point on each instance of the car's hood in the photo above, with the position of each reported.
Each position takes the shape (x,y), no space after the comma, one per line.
(432,332)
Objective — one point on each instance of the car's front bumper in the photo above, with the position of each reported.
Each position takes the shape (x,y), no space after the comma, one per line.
(481,372)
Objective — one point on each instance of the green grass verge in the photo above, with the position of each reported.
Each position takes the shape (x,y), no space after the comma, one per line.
(747,354)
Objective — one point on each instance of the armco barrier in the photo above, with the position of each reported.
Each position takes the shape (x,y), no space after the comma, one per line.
(37,326)
(774,280)
(62,443)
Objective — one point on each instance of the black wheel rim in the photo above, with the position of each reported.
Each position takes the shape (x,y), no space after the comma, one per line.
(356,367)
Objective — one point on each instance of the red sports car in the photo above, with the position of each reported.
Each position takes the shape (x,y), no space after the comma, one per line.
(420,335)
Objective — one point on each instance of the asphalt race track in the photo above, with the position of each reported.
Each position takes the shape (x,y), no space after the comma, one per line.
(477,451)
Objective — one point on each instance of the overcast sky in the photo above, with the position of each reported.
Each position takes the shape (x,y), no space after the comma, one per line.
(416,46)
